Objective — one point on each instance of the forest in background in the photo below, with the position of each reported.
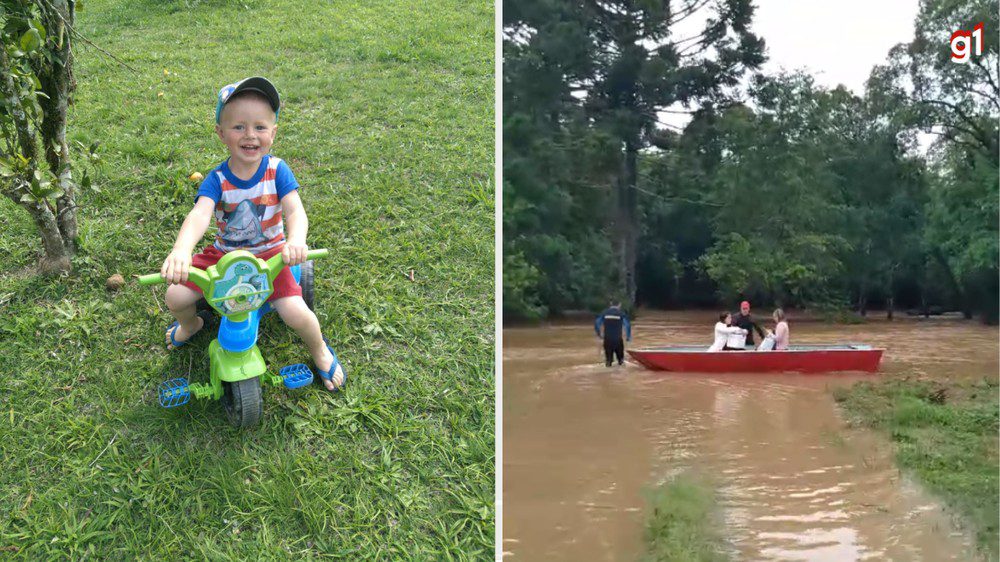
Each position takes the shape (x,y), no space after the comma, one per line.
(778,189)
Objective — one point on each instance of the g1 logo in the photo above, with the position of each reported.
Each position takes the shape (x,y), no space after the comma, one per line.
(962,42)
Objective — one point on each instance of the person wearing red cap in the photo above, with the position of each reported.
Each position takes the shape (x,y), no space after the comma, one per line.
(743,320)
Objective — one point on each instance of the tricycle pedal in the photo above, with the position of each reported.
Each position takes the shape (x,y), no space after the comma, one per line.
(174,392)
(296,376)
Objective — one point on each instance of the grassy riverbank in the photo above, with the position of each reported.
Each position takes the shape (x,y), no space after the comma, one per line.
(681,524)
(945,433)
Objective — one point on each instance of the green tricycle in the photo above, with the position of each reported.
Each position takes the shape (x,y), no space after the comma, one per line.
(237,287)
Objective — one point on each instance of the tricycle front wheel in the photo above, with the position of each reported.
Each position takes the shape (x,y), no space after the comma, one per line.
(242,401)
(306,282)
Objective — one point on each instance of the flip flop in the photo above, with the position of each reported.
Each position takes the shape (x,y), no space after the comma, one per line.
(172,329)
(328,375)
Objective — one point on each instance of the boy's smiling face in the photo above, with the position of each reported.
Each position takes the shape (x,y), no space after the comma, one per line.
(247,128)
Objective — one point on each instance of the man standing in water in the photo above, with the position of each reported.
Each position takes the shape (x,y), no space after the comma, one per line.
(743,320)
(613,320)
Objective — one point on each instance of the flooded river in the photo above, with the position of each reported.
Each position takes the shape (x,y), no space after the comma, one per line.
(582,443)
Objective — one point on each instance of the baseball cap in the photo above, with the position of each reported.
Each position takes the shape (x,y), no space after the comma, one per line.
(255,84)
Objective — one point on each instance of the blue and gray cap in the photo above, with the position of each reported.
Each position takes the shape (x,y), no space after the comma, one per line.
(255,84)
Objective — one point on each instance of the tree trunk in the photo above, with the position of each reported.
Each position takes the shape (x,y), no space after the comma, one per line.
(58,83)
(55,260)
(960,295)
(863,297)
(891,292)
(627,220)
(924,309)
(991,307)
(56,252)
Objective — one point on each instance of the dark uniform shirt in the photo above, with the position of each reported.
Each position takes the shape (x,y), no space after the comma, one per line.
(747,323)
(613,320)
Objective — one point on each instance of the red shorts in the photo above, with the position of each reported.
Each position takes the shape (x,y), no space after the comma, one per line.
(284,283)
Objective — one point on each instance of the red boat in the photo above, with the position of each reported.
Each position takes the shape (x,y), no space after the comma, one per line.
(797,358)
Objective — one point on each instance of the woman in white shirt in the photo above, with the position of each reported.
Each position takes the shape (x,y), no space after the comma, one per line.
(723,330)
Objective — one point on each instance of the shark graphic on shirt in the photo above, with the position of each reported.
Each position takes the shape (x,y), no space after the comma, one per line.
(243,224)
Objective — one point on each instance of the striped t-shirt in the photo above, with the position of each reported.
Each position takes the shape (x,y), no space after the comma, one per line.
(248,212)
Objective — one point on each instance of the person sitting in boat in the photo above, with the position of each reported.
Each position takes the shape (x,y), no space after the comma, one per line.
(614,320)
(780,330)
(744,321)
(724,330)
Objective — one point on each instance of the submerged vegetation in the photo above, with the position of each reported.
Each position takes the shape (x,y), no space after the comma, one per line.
(681,525)
(945,433)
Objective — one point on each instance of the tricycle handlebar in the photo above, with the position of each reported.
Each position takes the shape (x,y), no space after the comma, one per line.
(314,254)
(154,278)
(151,279)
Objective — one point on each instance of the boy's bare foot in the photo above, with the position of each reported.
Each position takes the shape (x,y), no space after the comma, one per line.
(323,363)
(181,336)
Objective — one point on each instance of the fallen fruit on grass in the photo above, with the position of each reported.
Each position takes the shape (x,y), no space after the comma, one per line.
(196,176)
(115,282)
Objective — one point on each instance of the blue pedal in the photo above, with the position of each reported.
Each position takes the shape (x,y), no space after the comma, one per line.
(174,392)
(296,376)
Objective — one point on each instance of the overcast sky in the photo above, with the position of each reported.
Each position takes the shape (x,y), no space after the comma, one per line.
(838,42)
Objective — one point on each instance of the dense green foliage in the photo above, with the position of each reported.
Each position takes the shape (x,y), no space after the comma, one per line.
(945,433)
(36,82)
(388,126)
(785,192)
(584,83)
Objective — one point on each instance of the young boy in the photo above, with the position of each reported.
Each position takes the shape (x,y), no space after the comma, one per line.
(248,195)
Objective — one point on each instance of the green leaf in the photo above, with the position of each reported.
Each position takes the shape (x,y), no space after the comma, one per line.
(36,24)
(31,40)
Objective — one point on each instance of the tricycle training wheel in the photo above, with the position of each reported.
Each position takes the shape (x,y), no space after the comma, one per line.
(242,402)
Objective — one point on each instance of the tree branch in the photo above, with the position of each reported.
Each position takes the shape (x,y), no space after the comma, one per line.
(989,77)
(687,11)
(955,139)
(22,125)
(979,133)
(678,43)
(989,97)
(88,41)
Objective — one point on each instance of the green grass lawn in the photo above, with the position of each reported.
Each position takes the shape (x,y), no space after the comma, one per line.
(388,126)
(945,433)
(682,525)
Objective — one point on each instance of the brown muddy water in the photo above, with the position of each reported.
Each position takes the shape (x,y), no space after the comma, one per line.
(582,443)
